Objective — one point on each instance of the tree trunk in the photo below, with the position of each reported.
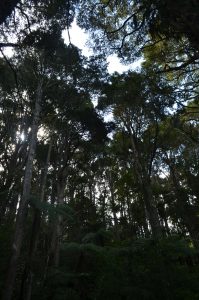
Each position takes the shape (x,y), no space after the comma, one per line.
(145,219)
(54,251)
(7,189)
(58,227)
(23,206)
(144,182)
(113,205)
(26,285)
(151,210)
(51,223)
(189,216)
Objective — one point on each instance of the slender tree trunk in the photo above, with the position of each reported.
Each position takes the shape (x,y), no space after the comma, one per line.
(13,206)
(23,206)
(51,243)
(26,285)
(113,205)
(144,182)
(58,227)
(166,225)
(163,217)
(151,209)
(5,193)
(145,219)
(128,202)
(54,251)
(189,216)
(91,194)
(103,207)
(7,189)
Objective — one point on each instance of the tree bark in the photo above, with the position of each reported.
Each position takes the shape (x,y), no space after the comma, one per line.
(58,227)
(26,285)
(54,252)
(187,213)
(7,188)
(144,181)
(23,206)
(151,210)
(113,205)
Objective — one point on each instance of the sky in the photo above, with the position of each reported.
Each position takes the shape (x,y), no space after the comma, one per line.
(79,38)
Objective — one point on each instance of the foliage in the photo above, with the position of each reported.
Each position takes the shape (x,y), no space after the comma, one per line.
(131,271)
(99,210)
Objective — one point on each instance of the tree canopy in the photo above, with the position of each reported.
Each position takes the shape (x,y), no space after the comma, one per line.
(99,172)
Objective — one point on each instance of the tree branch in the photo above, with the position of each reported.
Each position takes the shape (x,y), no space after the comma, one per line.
(3,45)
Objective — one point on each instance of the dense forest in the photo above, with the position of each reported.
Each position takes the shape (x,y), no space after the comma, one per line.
(99,172)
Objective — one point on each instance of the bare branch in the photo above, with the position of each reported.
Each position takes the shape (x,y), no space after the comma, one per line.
(4,45)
